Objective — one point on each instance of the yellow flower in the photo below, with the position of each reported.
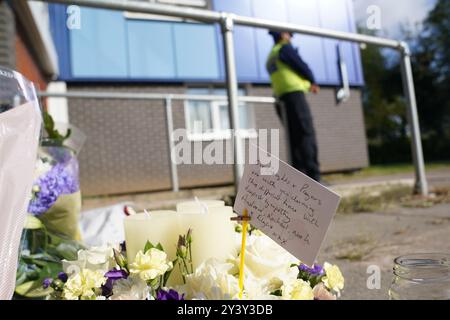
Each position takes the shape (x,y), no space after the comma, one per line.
(82,285)
(151,264)
(333,279)
(297,290)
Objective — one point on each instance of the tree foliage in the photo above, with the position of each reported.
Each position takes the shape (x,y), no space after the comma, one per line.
(384,104)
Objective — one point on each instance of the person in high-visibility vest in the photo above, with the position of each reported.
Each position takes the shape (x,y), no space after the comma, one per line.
(291,78)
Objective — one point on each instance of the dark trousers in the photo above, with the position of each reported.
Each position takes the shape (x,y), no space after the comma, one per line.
(302,137)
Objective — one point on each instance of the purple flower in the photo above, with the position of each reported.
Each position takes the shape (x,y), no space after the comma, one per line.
(60,179)
(112,275)
(316,270)
(169,295)
(62,276)
(47,282)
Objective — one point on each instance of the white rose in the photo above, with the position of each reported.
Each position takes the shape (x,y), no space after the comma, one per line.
(265,259)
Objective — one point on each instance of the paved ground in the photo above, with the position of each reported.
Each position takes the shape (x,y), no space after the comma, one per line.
(356,241)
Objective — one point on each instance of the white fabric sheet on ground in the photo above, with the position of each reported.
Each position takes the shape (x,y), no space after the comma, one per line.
(103,226)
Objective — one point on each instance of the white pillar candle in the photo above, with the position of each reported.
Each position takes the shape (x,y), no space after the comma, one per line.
(195,206)
(156,226)
(213,234)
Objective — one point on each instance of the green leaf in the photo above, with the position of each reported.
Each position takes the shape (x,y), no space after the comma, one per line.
(148,246)
(33,289)
(159,246)
(32,223)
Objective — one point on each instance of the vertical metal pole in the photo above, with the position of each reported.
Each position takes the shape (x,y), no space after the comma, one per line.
(421,184)
(227,24)
(173,165)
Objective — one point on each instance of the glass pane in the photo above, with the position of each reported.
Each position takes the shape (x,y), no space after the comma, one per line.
(245,117)
(224,117)
(199,111)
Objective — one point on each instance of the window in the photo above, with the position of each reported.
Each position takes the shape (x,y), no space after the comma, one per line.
(209,120)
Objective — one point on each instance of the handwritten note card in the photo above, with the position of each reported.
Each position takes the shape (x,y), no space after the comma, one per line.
(288,206)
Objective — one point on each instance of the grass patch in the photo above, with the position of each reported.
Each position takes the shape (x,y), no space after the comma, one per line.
(384,170)
(374,201)
(369,200)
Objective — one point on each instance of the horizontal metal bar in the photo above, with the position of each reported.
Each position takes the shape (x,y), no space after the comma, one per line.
(215,17)
(149,96)
(314,31)
(146,7)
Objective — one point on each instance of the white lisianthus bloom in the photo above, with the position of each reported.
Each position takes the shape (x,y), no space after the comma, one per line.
(94,258)
(211,281)
(297,290)
(83,285)
(151,264)
(265,259)
(333,280)
(132,288)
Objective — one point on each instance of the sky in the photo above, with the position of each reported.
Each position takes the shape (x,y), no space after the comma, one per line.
(394,13)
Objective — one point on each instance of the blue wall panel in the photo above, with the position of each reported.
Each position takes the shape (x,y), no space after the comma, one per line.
(151,49)
(60,35)
(196,51)
(98,48)
(311,48)
(267,9)
(112,47)
(244,40)
(332,14)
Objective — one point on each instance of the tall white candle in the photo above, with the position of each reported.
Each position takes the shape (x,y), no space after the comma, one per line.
(195,206)
(213,232)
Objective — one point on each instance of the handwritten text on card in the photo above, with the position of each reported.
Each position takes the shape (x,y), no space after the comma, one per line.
(289,207)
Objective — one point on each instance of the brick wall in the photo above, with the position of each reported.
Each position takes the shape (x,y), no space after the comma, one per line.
(127,146)
(339,127)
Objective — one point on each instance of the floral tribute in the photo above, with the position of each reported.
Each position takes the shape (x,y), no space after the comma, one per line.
(103,273)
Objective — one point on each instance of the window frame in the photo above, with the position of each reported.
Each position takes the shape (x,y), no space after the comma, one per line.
(217,132)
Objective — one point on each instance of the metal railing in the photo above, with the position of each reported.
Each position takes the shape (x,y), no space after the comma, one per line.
(227,22)
(168,99)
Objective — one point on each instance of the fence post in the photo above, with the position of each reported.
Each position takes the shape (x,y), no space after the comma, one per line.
(173,165)
(227,25)
(420,184)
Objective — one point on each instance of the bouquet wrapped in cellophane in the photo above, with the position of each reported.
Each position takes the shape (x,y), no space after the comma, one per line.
(51,232)
(56,197)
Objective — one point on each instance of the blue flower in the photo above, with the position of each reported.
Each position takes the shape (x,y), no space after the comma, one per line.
(169,295)
(60,179)
(316,270)
(47,282)
(62,276)
(112,276)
